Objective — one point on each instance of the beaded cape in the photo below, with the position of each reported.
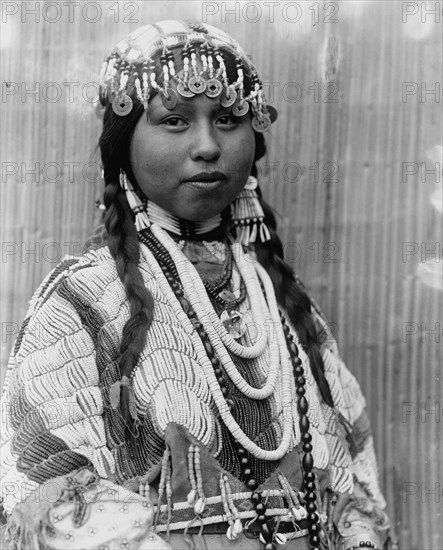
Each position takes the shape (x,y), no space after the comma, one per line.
(56,405)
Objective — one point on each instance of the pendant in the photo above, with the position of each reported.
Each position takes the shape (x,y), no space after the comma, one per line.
(122,105)
(261,124)
(233,323)
(184,91)
(240,108)
(213,87)
(170,100)
(197,84)
(226,101)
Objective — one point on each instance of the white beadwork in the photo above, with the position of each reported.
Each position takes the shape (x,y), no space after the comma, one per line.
(286,375)
(197,295)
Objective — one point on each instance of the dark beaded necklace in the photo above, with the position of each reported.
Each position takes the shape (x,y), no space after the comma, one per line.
(214,289)
(226,299)
(309,485)
(223,281)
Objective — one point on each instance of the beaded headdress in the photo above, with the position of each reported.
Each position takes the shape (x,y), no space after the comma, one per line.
(143,65)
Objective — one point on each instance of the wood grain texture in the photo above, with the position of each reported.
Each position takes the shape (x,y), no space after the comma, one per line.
(357,229)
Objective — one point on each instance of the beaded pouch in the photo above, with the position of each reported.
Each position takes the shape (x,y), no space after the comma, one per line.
(80,510)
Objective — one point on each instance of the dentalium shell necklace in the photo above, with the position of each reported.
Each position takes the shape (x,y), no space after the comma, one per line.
(185,292)
(197,295)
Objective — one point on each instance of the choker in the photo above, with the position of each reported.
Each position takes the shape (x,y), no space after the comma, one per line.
(180,227)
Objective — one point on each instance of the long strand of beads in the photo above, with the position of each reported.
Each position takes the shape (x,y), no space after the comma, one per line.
(168,267)
(190,277)
(206,358)
(302,407)
(309,484)
(266,533)
(190,285)
(243,442)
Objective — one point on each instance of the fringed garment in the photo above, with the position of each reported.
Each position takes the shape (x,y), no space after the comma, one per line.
(58,423)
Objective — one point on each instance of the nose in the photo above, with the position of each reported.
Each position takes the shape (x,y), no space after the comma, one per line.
(205,145)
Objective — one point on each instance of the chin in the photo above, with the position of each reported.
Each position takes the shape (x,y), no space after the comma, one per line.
(201,215)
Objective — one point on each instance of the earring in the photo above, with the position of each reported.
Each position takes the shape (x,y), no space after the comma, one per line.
(136,205)
(248,216)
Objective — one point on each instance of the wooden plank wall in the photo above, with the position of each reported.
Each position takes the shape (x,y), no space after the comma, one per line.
(353,170)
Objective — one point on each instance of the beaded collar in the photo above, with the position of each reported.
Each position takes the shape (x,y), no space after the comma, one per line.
(183,228)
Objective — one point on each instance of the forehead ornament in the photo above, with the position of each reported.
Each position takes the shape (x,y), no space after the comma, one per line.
(132,69)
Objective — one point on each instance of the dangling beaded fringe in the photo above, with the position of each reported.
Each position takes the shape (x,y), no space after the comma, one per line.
(196,495)
(248,215)
(136,205)
(232,515)
(297,511)
(148,213)
(164,486)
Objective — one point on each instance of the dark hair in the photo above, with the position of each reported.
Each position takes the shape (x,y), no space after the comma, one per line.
(289,293)
(123,244)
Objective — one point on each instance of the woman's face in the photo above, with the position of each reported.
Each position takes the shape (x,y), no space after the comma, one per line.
(192,161)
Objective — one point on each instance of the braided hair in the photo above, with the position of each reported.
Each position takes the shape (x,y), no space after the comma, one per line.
(289,292)
(123,244)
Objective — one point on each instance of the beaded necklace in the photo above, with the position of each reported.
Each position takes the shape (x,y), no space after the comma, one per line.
(206,314)
(179,226)
(194,288)
(169,272)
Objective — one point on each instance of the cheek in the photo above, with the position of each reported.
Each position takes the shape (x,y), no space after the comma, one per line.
(147,157)
(243,154)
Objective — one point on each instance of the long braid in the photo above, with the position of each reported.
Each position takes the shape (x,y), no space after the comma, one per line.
(289,292)
(124,247)
(294,300)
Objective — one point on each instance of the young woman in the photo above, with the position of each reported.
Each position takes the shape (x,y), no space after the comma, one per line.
(175,386)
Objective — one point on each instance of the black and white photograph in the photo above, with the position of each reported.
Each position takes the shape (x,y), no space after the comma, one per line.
(221,275)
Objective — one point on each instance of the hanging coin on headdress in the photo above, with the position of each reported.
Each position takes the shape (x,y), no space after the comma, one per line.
(144,64)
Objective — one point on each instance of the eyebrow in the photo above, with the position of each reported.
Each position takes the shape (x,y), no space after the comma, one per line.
(188,106)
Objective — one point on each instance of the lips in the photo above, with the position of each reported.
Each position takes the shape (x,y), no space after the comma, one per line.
(208,177)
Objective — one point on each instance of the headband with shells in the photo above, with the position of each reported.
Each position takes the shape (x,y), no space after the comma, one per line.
(131,68)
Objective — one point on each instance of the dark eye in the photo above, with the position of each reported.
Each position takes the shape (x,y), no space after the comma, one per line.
(174,121)
(226,120)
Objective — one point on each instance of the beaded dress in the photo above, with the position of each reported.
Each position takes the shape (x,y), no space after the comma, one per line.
(72,477)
